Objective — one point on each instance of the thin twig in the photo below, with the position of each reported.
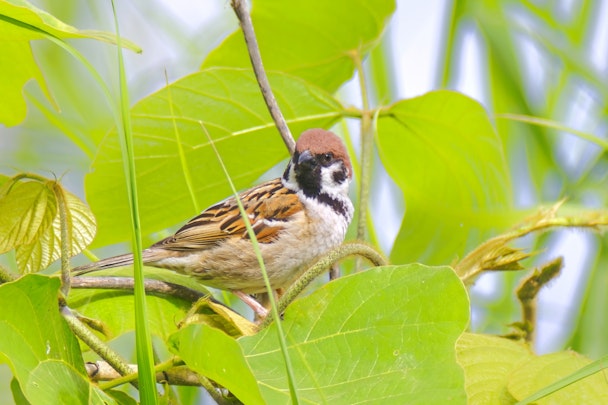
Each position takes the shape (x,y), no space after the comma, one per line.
(242,14)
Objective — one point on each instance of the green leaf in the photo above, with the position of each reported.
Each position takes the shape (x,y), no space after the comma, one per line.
(541,371)
(221,360)
(21,22)
(55,382)
(487,362)
(315,40)
(33,333)
(383,335)
(46,248)
(28,209)
(443,153)
(177,172)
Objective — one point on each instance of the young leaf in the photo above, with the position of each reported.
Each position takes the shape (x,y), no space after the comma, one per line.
(46,248)
(443,153)
(228,102)
(28,209)
(309,39)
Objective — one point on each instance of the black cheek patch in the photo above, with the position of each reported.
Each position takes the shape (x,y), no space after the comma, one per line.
(340,176)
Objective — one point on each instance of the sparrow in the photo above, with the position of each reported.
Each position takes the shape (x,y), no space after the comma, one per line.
(296,218)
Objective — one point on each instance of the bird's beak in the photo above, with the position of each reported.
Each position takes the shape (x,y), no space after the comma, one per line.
(304,157)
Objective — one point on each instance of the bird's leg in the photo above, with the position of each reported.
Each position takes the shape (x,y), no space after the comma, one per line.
(258,308)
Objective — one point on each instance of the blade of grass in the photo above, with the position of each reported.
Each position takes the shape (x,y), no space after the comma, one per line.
(588,370)
(256,248)
(145,363)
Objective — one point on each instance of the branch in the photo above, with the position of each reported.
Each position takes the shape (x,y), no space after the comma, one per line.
(242,14)
(155,287)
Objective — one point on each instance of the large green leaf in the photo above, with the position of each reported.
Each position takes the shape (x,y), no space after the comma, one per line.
(178,173)
(21,22)
(443,153)
(385,335)
(312,39)
(38,345)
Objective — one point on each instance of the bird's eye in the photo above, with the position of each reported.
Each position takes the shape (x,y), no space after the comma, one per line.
(327,157)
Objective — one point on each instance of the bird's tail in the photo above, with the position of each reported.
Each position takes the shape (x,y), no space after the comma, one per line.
(111,262)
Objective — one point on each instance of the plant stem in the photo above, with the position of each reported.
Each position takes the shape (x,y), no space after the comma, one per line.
(242,14)
(367,147)
(66,238)
(98,346)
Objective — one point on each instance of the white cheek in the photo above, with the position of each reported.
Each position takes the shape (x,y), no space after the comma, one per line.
(328,184)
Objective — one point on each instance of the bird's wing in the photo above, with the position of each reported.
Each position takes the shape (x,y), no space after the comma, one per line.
(269,207)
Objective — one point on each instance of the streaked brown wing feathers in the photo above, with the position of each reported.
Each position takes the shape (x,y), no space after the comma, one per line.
(267,206)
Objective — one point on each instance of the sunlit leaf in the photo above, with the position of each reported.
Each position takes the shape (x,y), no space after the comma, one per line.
(177,172)
(443,153)
(28,209)
(487,362)
(21,22)
(46,248)
(313,39)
